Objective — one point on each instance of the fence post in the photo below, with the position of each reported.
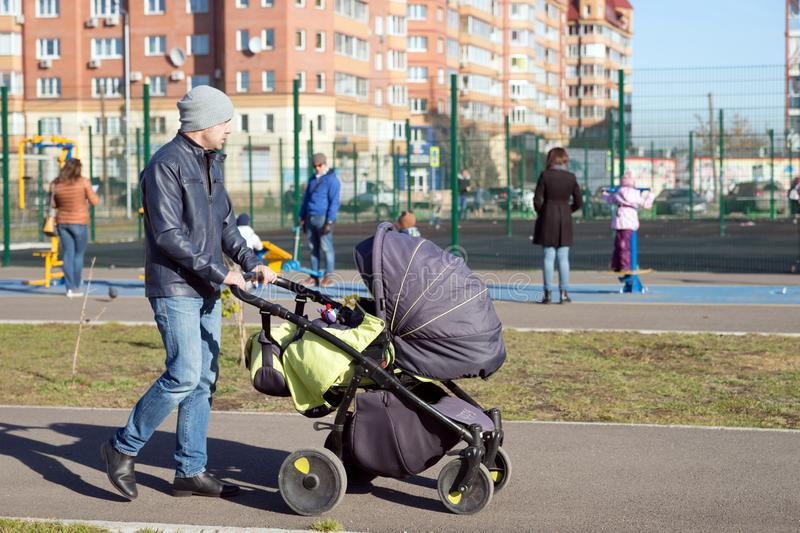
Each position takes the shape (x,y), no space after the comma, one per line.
(377,182)
(296,104)
(355,183)
(522,165)
(611,147)
(91,180)
(508,178)
(139,220)
(146,110)
(280,181)
(772,174)
(6,203)
(621,118)
(721,175)
(454,162)
(408,165)
(395,199)
(691,175)
(40,184)
(250,176)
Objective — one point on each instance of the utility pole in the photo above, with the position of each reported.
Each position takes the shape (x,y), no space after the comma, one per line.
(103,134)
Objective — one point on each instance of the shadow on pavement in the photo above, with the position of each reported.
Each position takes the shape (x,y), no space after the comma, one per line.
(255,468)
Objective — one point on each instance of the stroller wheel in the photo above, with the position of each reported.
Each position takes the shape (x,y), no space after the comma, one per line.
(312,481)
(475,498)
(500,470)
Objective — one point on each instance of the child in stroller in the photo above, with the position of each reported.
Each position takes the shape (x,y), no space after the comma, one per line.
(379,356)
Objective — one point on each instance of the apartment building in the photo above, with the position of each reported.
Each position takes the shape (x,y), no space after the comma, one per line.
(793,72)
(598,45)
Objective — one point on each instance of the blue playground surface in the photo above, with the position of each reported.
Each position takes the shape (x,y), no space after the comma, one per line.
(595,293)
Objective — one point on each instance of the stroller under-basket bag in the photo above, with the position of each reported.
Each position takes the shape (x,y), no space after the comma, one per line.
(381,366)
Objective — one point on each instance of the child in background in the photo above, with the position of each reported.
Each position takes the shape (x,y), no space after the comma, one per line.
(407,223)
(249,234)
(628,200)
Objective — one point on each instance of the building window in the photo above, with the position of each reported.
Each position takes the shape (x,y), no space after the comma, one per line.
(243,81)
(351,46)
(439,45)
(268,80)
(417,75)
(198,80)
(417,43)
(155,45)
(10,44)
(197,6)
(241,4)
(301,76)
(378,25)
(267,3)
(51,125)
(197,45)
(12,80)
(48,48)
(154,7)
(319,4)
(321,123)
(320,41)
(113,125)
(299,3)
(105,8)
(269,122)
(348,85)
(378,97)
(378,61)
(320,82)
(108,48)
(158,85)
(396,25)
(242,40)
(419,105)
(48,8)
(110,87)
(417,12)
(48,87)
(396,60)
(268,39)
(9,7)
(158,125)
(354,9)
(244,123)
(300,40)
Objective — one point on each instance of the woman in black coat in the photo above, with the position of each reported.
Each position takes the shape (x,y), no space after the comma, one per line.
(557,197)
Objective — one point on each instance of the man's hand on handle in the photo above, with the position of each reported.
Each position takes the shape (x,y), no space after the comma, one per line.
(264,274)
(235,279)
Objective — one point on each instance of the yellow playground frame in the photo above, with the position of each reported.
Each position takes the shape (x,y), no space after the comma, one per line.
(38,141)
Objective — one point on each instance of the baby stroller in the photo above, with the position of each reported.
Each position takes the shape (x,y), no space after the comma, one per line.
(387,367)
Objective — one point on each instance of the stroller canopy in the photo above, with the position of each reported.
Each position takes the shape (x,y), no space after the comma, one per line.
(439,314)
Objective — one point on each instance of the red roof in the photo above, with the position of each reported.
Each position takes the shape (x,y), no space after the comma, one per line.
(620,4)
(611,5)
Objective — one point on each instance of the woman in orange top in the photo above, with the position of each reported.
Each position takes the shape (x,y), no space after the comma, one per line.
(70,192)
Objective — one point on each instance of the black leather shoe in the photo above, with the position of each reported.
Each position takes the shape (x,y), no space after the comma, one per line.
(546,299)
(565,299)
(203,485)
(119,468)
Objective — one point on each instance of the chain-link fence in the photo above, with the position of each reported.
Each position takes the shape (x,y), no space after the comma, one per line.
(712,144)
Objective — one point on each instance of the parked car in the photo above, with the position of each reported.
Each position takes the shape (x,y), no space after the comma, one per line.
(366,202)
(754,196)
(521,199)
(676,202)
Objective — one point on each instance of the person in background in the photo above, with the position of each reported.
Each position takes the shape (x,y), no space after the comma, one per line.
(464,187)
(189,224)
(557,196)
(436,208)
(628,200)
(317,216)
(407,223)
(70,194)
(794,199)
(249,234)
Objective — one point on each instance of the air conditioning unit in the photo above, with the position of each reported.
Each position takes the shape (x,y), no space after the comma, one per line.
(113,20)
(91,23)
(177,75)
(94,63)
(136,76)
(46,63)
(19,19)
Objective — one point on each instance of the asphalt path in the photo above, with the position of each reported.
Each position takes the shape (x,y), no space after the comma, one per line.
(566,477)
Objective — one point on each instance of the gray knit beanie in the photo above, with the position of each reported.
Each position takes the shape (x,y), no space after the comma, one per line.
(203,107)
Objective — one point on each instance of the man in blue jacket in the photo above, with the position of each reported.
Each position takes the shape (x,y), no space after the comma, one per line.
(189,223)
(317,216)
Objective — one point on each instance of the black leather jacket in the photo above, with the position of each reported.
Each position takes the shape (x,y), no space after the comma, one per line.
(189,222)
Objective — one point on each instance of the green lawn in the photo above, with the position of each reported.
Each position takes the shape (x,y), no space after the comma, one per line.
(661,379)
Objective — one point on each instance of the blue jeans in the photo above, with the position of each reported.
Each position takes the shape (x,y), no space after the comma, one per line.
(552,253)
(318,242)
(190,329)
(74,238)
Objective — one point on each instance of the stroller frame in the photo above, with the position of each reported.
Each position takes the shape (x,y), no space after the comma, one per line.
(482,446)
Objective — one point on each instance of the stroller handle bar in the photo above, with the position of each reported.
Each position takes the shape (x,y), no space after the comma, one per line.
(371,368)
(298,289)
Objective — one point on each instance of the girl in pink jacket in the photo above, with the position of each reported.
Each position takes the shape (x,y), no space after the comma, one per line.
(628,200)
